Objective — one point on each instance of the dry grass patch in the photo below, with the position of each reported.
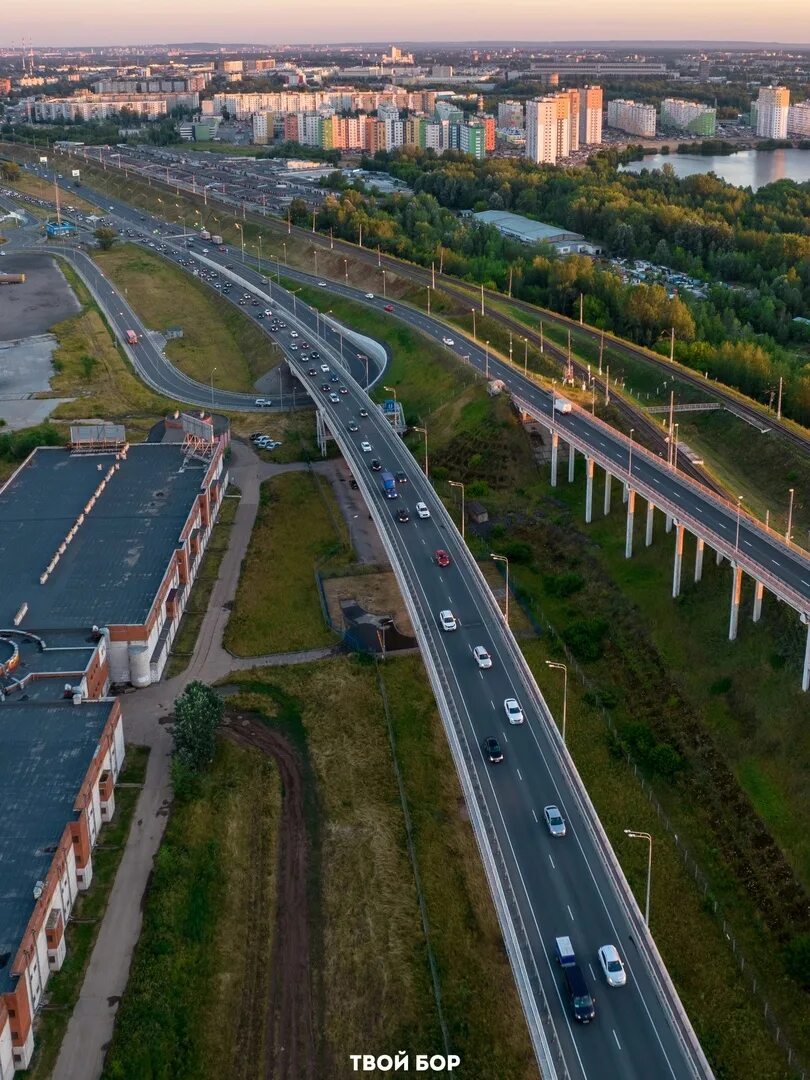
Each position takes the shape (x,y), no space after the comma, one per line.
(378,593)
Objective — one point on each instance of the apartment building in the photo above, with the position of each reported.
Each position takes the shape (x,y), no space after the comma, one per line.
(472,139)
(510,114)
(590,116)
(632,117)
(772,109)
(692,116)
(541,130)
(799,119)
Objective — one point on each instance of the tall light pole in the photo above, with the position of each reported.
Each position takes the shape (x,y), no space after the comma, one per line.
(384,296)
(212,388)
(428,296)
(564,669)
(473,315)
(737,534)
(284,245)
(294,294)
(503,559)
(242,238)
(315,253)
(644,836)
(346,270)
(630,453)
(526,356)
(790,517)
(675,448)
(391,390)
(458,484)
(486,362)
(424,432)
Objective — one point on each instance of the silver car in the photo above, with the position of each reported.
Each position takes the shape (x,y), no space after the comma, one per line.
(514,713)
(612,966)
(555,822)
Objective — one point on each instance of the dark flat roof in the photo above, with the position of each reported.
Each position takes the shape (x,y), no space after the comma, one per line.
(45,752)
(113,568)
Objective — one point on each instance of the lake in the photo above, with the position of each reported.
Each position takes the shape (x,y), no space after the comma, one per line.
(747,168)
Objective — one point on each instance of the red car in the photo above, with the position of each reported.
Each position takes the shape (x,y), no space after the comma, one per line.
(442,558)
(388,307)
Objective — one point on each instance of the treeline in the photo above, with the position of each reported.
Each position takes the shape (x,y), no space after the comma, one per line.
(757,244)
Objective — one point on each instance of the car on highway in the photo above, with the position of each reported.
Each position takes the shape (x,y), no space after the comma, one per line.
(267,311)
(447,620)
(369,296)
(388,307)
(514,713)
(403,515)
(363,412)
(401,478)
(263,403)
(325,387)
(352,425)
(334,398)
(365,446)
(325,369)
(322,284)
(334,377)
(447,341)
(482,657)
(312,371)
(342,390)
(612,966)
(555,822)
(441,557)
(376,465)
(293,347)
(492,750)
(293,333)
(422,511)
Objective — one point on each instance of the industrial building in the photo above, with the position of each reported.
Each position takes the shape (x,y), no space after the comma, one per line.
(100,543)
(529,231)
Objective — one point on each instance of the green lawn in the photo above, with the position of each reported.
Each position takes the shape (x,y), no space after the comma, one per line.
(82,929)
(299,529)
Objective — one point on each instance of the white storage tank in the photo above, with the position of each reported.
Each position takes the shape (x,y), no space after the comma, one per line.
(139,673)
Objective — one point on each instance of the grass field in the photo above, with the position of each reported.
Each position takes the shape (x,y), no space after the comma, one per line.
(192,950)
(215,333)
(197,604)
(82,930)
(371,964)
(298,529)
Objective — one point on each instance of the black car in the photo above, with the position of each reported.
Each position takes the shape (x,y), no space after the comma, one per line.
(325,387)
(312,371)
(334,377)
(375,465)
(401,478)
(363,412)
(352,425)
(353,484)
(582,1002)
(314,356)
(342,390)
(403,515)
(492,750)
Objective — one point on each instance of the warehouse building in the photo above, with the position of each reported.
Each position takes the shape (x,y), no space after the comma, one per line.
(99,546)
(530,231)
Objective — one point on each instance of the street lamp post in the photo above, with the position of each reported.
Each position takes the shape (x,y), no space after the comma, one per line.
(486,362)
(458,484)
(526,356)
(675,448)
(424,432)
(644,836)
(384,296)
(737,534)
(284,245)
(630,453)
(428,296)
(212,388)
(503,559)
(242,238)
(790,517)
(346,270)
(564,669)
(473,315)
(391,390)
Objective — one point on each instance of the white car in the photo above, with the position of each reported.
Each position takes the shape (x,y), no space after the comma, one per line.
(555,822)
(447,620)
(267,311)
(482,657)
(447,341)
(263,403)
(322,284)
(365,447)
(422,511)
(325,369)
(514,713)
(334,398)
(293,333)
(612,965)
(369,296)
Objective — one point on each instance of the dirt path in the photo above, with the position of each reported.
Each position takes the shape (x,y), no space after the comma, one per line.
(289,1039)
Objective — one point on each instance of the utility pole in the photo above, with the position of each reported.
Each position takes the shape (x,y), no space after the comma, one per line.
(671,425)
(313,220)
(331,239)
(360,225)
(581,302)
(289,222)
(526,356)
(779,401)
(601,350)
(790,517)
(542,346)
(607,385)
(433,275)
(482,298)
(672,346)
(510,282)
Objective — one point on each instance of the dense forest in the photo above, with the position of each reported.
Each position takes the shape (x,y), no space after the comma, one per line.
(752,249)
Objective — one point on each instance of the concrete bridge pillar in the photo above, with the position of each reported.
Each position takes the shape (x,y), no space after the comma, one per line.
(676,570)
(631,510)
(572,460)
(718,557)
(608,479)
(759,589)
(669,523)
(649,529)
(589,466)
(625,489)
(736,590)
(701,544)
(555,450)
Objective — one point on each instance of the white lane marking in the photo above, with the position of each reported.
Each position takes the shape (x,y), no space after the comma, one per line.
(616,1037)
(519,776)
(593,973)
(534,815)
(722,526)
(748,543)
(807,583)
(570,912)
(553,867)
(775,563)
(655,481)
(492,703)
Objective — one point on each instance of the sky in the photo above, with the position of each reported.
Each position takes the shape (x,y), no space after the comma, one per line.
(99,22)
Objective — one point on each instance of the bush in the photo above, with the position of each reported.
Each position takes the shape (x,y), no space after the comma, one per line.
(563,585)
(517,551)
(477,489)
(720,686)
(797,960)
(585,638)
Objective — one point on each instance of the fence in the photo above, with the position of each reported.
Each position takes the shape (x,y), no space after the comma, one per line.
(541,623)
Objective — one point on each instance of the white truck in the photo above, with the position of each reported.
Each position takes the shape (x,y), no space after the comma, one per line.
(205,234)
(215,239)
(562,405)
